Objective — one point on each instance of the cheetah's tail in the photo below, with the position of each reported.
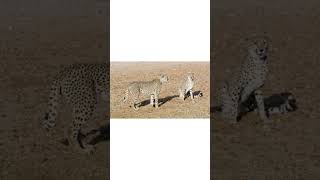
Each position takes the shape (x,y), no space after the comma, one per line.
(125,98)
(224,97)
(49,119)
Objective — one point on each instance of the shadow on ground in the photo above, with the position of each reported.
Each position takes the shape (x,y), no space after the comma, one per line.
(161,101)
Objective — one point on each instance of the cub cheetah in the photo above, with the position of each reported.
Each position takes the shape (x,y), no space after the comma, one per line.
(80,85)
(276,104)
(187,86)
(249,80)
(148,88)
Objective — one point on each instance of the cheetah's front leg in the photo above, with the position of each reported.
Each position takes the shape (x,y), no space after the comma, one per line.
(181,94)
(156,100)
(152,100)
(248,90)
(260,103)
(191,95)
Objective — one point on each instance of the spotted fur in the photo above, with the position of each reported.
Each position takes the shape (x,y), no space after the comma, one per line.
(147,88)
(80,85)
(187,87)
(248,80)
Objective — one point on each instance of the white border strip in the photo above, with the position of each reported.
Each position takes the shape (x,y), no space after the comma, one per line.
(158,149)
(166,30)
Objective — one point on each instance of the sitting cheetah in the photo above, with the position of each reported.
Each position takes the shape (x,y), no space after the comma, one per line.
(275,104)
(249,80)
(186,86)
(148,88)
(80,85)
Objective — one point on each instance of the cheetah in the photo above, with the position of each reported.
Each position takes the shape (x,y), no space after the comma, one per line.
(149,88)
(187,86)
(80,85)
(249,80)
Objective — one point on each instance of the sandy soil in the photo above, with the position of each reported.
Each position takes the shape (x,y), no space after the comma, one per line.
(290,148)
(32,51)
(124,73)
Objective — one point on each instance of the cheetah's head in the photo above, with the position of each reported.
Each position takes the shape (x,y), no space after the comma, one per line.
(258,47)
(164,78)
(190,76)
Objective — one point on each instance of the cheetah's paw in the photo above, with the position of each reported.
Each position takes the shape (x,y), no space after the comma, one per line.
(88,149)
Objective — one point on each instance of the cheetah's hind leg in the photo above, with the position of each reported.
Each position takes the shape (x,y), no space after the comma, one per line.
(80,118)
(152,100)
(229,105)
(156,101)
(191,95)
(82,113)
(181,95)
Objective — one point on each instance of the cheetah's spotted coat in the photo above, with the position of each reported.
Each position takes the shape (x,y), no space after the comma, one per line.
(147,88)
(80,85)
(249,80)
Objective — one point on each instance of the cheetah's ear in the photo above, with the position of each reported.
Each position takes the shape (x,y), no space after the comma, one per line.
(267,38)
(192,75)
(268,41)
(249,41)
(246,42)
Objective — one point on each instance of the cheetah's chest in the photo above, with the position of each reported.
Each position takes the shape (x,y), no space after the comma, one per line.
(253,75)
(188,86)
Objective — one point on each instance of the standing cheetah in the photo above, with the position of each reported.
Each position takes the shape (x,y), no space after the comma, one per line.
(187,86)
(148,88)
(80,85)
(249,80)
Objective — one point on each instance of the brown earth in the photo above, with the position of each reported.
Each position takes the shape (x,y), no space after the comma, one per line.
(122,73)
(290,148)
(32,51)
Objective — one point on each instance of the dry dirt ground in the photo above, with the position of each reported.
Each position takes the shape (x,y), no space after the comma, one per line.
(290,149)
(122,73)
(32,51)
